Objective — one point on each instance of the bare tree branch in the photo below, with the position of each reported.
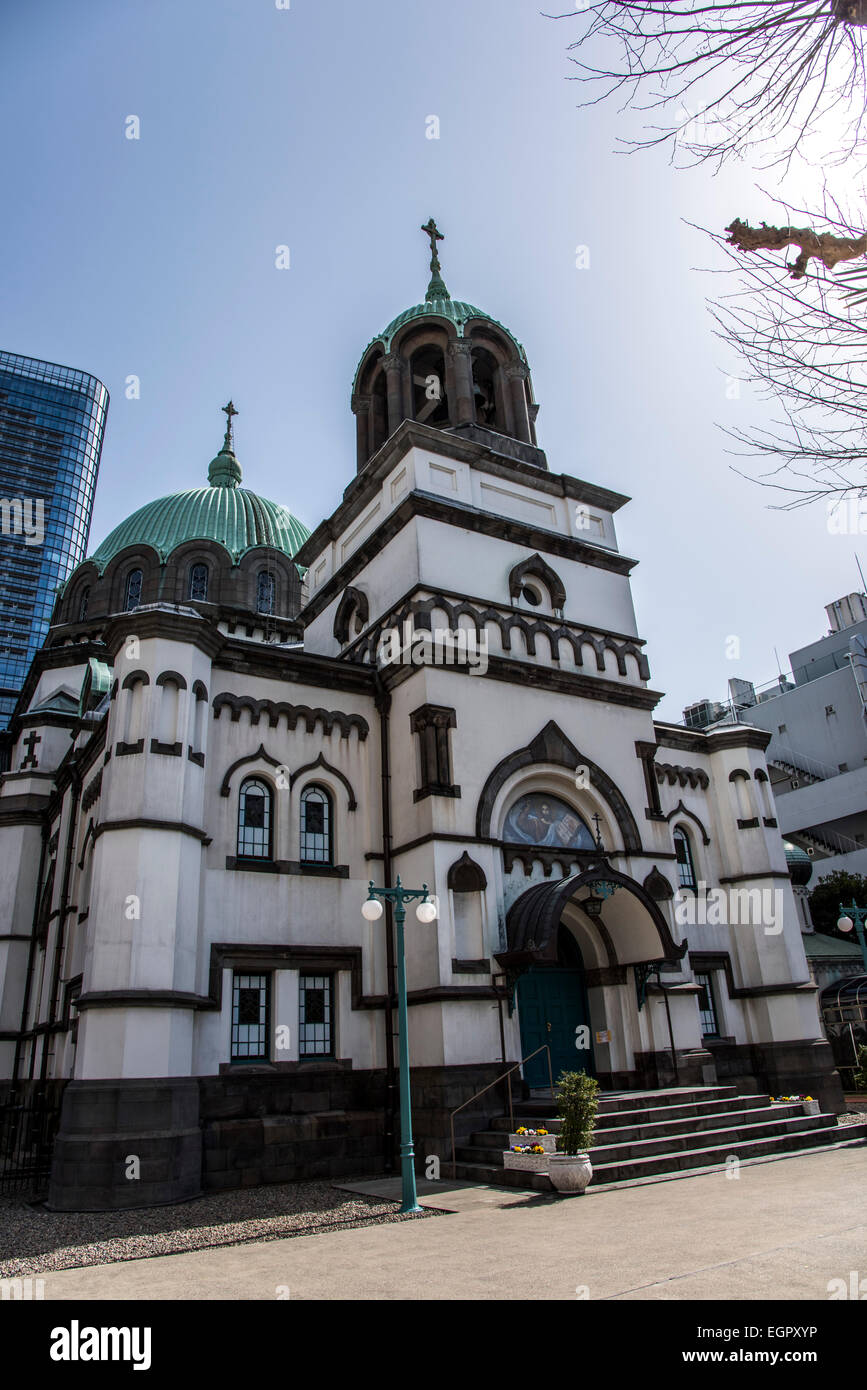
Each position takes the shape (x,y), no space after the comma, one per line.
(823,246)
(773,77)
(804,349)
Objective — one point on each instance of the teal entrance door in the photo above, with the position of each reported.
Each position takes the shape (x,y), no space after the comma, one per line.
(552,1004)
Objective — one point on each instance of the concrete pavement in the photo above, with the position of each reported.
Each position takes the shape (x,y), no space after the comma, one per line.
(781,1230)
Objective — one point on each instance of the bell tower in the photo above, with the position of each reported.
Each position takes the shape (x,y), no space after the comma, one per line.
(447,364)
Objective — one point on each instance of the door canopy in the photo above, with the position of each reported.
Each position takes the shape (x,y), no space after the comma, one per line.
(628,928)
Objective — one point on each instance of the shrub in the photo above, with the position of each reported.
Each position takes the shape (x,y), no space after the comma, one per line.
(576,1105)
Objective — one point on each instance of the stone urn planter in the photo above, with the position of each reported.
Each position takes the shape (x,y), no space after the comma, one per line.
(570,1173)
(570,1169)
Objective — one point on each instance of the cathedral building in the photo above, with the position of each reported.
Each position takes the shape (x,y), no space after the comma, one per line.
(234,725)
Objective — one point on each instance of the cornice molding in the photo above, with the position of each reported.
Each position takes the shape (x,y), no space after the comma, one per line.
(466,518)
(410,435)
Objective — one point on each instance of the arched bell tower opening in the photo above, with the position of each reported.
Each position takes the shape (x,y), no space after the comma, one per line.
(430,394)
(488,393)
(448,365)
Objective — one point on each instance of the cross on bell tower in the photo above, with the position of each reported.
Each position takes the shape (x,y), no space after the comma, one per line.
(436,289)
(228,442)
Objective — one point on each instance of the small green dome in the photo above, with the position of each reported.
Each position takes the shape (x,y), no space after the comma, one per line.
(456,311)
(224,470)
(800,865)
(224,512)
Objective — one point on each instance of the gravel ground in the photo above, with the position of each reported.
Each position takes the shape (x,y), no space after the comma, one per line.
(33,1240)
(853,1117)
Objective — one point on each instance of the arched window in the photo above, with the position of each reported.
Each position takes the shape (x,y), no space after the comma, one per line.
(685,867)
(765,804)
(254,819)
(199,582)
(316,826)
(265,592)
(132,592)
(82,604)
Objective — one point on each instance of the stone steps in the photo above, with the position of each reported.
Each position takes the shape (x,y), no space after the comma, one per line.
(694,1126)
(646,1135)
(539,1182)
(671,1119)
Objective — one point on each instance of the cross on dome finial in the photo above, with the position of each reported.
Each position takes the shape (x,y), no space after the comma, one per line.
(228,442)
(225,470)
(436,289)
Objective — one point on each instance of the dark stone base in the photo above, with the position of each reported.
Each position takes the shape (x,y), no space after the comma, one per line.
(299,1120)
(802,1068)
(323,1120)
(252,1125)
(104,1124)
(438,1091)
(655,1070)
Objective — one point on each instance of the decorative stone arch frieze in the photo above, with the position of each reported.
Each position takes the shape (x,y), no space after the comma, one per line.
(681,810)
(419,611)
(135,678)
(353,604)
(171,676)
(322,762)
(739,772)
(675,775)
(553,747)
(534,567)
(261,755)
(200,690)
(293,714)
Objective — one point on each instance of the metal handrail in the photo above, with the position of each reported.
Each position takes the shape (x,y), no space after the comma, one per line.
(506,1076)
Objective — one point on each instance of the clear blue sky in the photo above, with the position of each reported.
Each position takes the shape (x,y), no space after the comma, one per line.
(306,127)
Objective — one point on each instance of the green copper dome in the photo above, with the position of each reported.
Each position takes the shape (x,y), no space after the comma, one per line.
(800,864)
(224,512)
(438,303)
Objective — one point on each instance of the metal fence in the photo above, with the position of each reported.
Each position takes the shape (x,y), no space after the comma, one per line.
(28,1125)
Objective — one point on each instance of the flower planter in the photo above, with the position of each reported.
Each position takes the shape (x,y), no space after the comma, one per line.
(548,1141)
(811,1107)
(529,1163)
(570,1173)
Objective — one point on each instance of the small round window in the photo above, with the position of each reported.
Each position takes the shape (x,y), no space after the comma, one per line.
(531,595)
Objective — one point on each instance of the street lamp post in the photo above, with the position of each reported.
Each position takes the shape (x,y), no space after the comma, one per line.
(850,917)
(425,912)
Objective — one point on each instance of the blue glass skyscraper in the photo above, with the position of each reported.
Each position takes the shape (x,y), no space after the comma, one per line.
(52,421)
